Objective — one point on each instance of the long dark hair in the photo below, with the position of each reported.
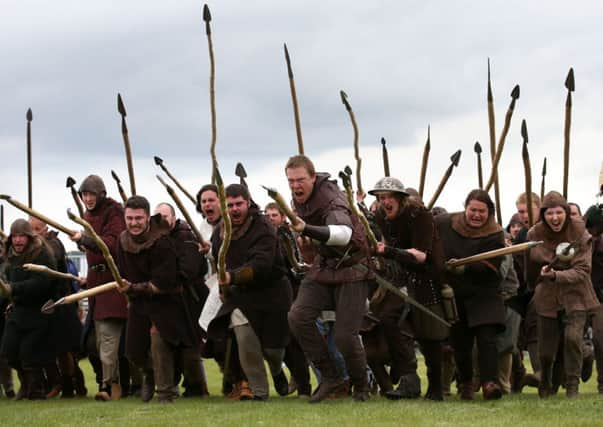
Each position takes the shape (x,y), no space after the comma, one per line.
(481,196)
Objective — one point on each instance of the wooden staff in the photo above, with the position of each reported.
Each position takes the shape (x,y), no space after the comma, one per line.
(300,141)
(543,179)
(521,247)
(424,162)
(477,148)
(124,133)
(36,214)
(221,262)
(492,134)
(76,197)
(159,162)
(454,161)
(2,216)
(29,117)
(348,107)
(212,91)
(571,86)
(347,185)
(503,136)
(101,245)
(385,157)
(50,305)
(122,193)
(50,272)
(528,171)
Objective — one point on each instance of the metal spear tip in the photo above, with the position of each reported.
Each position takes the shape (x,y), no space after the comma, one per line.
(115,177)
(383,142)
(524,130)
(271,191)
(206,13)
(490,97)
(570,84)
(4,197)
(240,170)
(48,307)
(70,182)
(544,167)
(71,215)
(165,184)
(455,158)
(344,99)
(348,170)
(29,115)
(477,147)
(158,160)
(515,92)
(120,106)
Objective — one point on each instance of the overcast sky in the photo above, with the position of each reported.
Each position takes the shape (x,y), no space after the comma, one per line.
(404,65)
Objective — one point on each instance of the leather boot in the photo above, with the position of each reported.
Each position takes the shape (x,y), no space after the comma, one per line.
(281,385)
(115,391)
(409,388)
(330,381)
(35,381)
(68,391)
(571,387)
(466,390)
(104,393)
(80,383)
(491,391)
(147,390)
(545,387)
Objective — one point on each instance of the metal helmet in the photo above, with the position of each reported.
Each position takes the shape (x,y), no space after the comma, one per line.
(93,184)
(388,184)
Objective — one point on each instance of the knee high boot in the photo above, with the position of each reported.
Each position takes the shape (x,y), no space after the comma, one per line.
(432,352)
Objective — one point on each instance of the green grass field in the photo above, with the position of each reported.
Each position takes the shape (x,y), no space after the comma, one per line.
(519,410)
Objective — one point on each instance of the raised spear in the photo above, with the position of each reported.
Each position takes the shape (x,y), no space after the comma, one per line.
(101,245)
(241,173)
(543,179)
(221,262)
(492,134)
(477,148)
(212,91)
(528,171)
(36,214)
(346,179)
(300,141)
(122,193)
(124,133)
(29,117)
(503,136)
(76,198)
(348,107)
(571,86)
(426,150)
(385,157)
(521,247)
(159,162)
(454,161)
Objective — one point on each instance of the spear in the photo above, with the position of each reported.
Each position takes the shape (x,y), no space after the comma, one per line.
(477,148)
(241,173)
(528,171)
(101,245)
(300,141)
(1,217)
(348,107)
(503,135)
(492,134)
(543,179)
(385,157)
(520,247)
(36,214)
(122,193)
(76,198)
(50,305)
(212,83)
(29,117)
(221,262)
(347,185)
(454,161)
(426,150)
(37,268)
(124,132)
(159,162)
(571,86)
(3,235)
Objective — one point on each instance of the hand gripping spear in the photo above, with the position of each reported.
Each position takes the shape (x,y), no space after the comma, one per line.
(159,162)
(528,171)
(29,117)
(300,141)
(50,305)
(124,132)
(36,214)
(122,193)
(385,157)
(454,159)
(50,272)
(347,185)
(221,263)
(426,150)
(477,148)
(76,198)
(503,136)
(492,134)
(570,85)
(344,100)
(543,179)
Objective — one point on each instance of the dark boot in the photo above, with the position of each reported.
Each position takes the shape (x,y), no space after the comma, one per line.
(409,388)
(571,387)
(53,381)
(491,391)
(281,384)
(80,383)
(330,381)
(545,387)
(148,385)
(22,393)
(35,381)
(466,390)
(68,391)
(518,372)
(432,352)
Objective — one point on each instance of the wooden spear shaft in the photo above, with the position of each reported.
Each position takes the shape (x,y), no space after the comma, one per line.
(50,272)
(159,162)
(521,247)
(424,162)
(348,107)
(528,172)
(212,91)
(37,215)
(570,85)
(492,134)
(126,137)
(29,117)
(300,141)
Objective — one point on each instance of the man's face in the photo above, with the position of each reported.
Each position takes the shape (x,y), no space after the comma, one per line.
(89,199)
(476,213)
(38,227)
(275,217)
(238,209)
(167,214)
(137,221)
(555,218)
(19,242)
(210,206)
(522,210)
(574,213)
(300,183)
(390,204)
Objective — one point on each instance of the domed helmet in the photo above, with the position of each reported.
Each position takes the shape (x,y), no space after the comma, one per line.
(388,184)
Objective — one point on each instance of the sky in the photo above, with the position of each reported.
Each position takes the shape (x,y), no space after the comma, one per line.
(405,65)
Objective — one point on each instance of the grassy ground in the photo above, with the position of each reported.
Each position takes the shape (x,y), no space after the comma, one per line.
(520,410)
